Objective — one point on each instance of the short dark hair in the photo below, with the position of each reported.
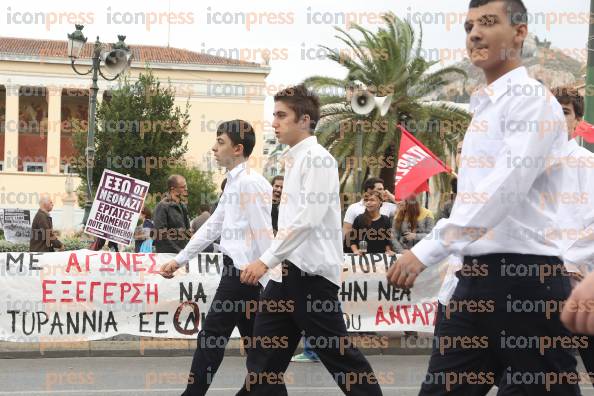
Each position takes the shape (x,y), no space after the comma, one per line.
(370,183)
(239,132)
(277,177)
(146,211)
(302,101)
(172,181)
(568,95)
(516,10)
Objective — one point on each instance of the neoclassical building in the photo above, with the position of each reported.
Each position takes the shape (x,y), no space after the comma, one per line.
(42,100)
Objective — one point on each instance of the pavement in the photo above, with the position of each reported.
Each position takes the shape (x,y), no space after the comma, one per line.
(400,375)
(132,376)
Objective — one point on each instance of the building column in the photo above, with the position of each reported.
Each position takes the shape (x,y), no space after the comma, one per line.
(54,130)
(11,137)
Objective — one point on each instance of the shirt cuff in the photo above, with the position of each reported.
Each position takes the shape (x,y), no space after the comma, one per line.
(571,267)
(430,251)
(269,259)
(181,258)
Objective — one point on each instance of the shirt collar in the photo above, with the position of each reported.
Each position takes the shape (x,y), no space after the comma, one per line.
(233,173)
(569,147)
(499,87)
(299,147)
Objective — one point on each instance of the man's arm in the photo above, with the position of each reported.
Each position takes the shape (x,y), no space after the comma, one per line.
(347,224)
(448,236)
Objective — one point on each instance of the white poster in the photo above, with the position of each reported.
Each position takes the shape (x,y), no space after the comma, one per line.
(116,207)
(16,224)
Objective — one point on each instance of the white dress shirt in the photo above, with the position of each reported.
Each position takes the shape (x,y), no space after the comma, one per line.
(516,126)
(354,210)
(309,227)
(450,281)
(242,220)
(575,171)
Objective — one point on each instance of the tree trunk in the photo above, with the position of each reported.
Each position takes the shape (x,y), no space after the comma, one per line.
(388,173)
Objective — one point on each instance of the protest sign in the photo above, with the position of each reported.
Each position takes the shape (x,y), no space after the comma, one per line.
(16,224)
(116,207)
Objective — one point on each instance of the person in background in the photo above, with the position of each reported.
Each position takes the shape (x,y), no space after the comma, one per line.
(411,224)
(277,191)
(446,208)
(371,231)
(172,225)
(43,236)
(388,208)
(576,214)
(214,205)
(144,229)
(200,219)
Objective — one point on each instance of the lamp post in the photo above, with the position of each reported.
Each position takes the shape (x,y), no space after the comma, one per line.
(116,60)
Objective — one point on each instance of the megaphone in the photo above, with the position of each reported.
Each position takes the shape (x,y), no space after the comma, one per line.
(364,101)
(383,104)
(116,61)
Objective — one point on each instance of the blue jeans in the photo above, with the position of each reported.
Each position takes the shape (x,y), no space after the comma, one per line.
(308,351)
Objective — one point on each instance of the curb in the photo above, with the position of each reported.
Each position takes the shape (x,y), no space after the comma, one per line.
(135,346)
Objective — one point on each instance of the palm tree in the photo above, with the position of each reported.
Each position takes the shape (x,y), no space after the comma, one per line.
(387,62)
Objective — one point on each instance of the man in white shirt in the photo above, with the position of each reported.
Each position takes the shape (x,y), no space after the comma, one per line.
(388,207)
(499,228)
(576,215)
(308,247)
(242,221)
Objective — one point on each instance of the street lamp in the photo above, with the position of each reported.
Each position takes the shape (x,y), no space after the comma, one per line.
(116,60)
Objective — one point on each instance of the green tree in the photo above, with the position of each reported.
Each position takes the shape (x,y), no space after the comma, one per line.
(142,133)
(388,61)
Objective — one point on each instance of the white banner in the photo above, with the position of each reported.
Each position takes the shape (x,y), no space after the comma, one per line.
(86,295)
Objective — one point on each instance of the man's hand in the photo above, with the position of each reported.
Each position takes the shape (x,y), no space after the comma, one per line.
(253,272)
(168,269)
(405,270)
(388,197)
(578,311)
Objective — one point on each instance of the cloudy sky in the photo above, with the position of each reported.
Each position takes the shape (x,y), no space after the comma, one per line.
(289,31)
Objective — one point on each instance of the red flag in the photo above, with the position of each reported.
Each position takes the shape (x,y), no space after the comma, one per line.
(416,164)
(584,130)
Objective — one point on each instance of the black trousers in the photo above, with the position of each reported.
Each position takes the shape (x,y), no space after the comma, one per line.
(502,327)
(233,305)
(587,355)
(308,304)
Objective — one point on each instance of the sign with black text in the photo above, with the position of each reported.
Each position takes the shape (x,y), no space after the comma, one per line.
(116,207)
(16,224)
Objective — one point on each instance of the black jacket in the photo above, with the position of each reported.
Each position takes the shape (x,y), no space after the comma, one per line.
(172,226)
(43,237)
